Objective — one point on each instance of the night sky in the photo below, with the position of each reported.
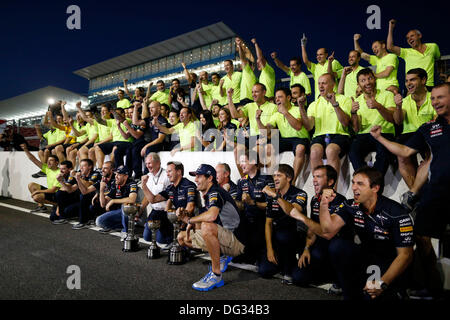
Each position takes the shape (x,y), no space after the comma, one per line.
(38,50)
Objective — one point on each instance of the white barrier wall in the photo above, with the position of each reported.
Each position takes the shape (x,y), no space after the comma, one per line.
(16,170)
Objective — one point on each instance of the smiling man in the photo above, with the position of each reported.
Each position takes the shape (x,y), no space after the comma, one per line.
(383,239)
(432,212)
(219,228)
(373,107)
(420,55)
(412,112)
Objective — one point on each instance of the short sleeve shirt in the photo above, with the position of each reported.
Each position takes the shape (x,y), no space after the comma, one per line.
(371,117)
(280,219)
(235,83)
(121,192)
(351,83)
(248,80)
(414,117)
(51,176)
(185,133)
(184,193)
(389,60)
(381,232)
(161,96)
(325,118)
(249,111)
(317,70)
(267,78)
(124,103)
(301,79)
(279,121)
(415,59)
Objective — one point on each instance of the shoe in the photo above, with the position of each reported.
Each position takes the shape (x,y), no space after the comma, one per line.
(224,261)
(422,294)
(287,280)
(104,230)
(38,174)
(39,209)
(59,221)
(91,223)
(79,226)
(164,246)
(335,289)
(408,200)
(208,282)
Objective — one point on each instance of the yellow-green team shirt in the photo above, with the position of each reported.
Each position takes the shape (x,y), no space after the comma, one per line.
(249,110)
(104,131)
(415,118)
(415,59)
(161,96)
(389,60)
(247,82)
(185,133)
(286,130)
(124,103)
(301,79)
(51,176)
(51,136)
(317,70)
(351,83)
(235,83)
(207,95)
(80,128)
(117,136)
(91,131)
(372,117)
(215,94)
(325,118)
(267,78)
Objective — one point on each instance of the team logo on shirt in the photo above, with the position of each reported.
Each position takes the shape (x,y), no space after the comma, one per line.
(406,229)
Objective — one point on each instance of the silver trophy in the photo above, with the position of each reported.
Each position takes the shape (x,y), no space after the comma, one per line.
(131,242)
(176,254)
(153,249)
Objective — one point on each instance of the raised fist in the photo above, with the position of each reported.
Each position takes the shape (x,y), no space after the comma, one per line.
(356,36)
(253,41)
(392,22)
(398,99)
(273,55)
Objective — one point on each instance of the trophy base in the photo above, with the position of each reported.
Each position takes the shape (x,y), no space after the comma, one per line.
(153,253)
(176,258)
(130,245)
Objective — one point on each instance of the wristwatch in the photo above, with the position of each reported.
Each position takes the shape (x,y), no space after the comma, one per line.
(335,105)
(383,285)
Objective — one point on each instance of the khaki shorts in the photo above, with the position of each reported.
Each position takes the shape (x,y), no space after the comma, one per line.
(229,244)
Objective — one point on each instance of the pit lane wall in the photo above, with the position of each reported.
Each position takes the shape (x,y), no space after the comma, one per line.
(16,171)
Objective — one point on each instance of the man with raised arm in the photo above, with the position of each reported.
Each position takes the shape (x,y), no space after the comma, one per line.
(330,116)
(248,76)
(267,76)
(348,85)
(420,55)
(325,64)
(382,239)
(386,64)
(432,215)
(294,71)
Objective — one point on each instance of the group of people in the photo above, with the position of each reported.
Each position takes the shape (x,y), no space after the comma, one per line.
(263,219)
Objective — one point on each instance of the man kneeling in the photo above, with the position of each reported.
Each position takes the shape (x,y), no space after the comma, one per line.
(219,228)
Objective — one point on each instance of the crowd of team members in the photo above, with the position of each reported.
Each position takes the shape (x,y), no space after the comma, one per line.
(263,218)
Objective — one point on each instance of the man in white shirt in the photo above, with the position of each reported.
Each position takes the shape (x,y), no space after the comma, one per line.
(156,181)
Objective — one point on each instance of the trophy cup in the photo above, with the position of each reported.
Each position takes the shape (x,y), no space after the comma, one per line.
(131,242)
(153,249)
(176,254)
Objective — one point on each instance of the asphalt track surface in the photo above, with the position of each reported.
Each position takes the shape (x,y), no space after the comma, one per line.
(35,256)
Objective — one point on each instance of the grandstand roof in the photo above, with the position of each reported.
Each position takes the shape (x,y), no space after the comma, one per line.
(35,103)
(197,38)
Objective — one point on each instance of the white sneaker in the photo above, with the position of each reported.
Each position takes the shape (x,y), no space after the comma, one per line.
(208,282)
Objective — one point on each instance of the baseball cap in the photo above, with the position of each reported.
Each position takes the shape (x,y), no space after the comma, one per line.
(204,169)
(123,170)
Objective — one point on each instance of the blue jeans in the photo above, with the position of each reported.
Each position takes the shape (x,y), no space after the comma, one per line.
(110,220)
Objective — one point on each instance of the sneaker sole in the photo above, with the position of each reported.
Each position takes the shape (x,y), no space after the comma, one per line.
(217,285)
